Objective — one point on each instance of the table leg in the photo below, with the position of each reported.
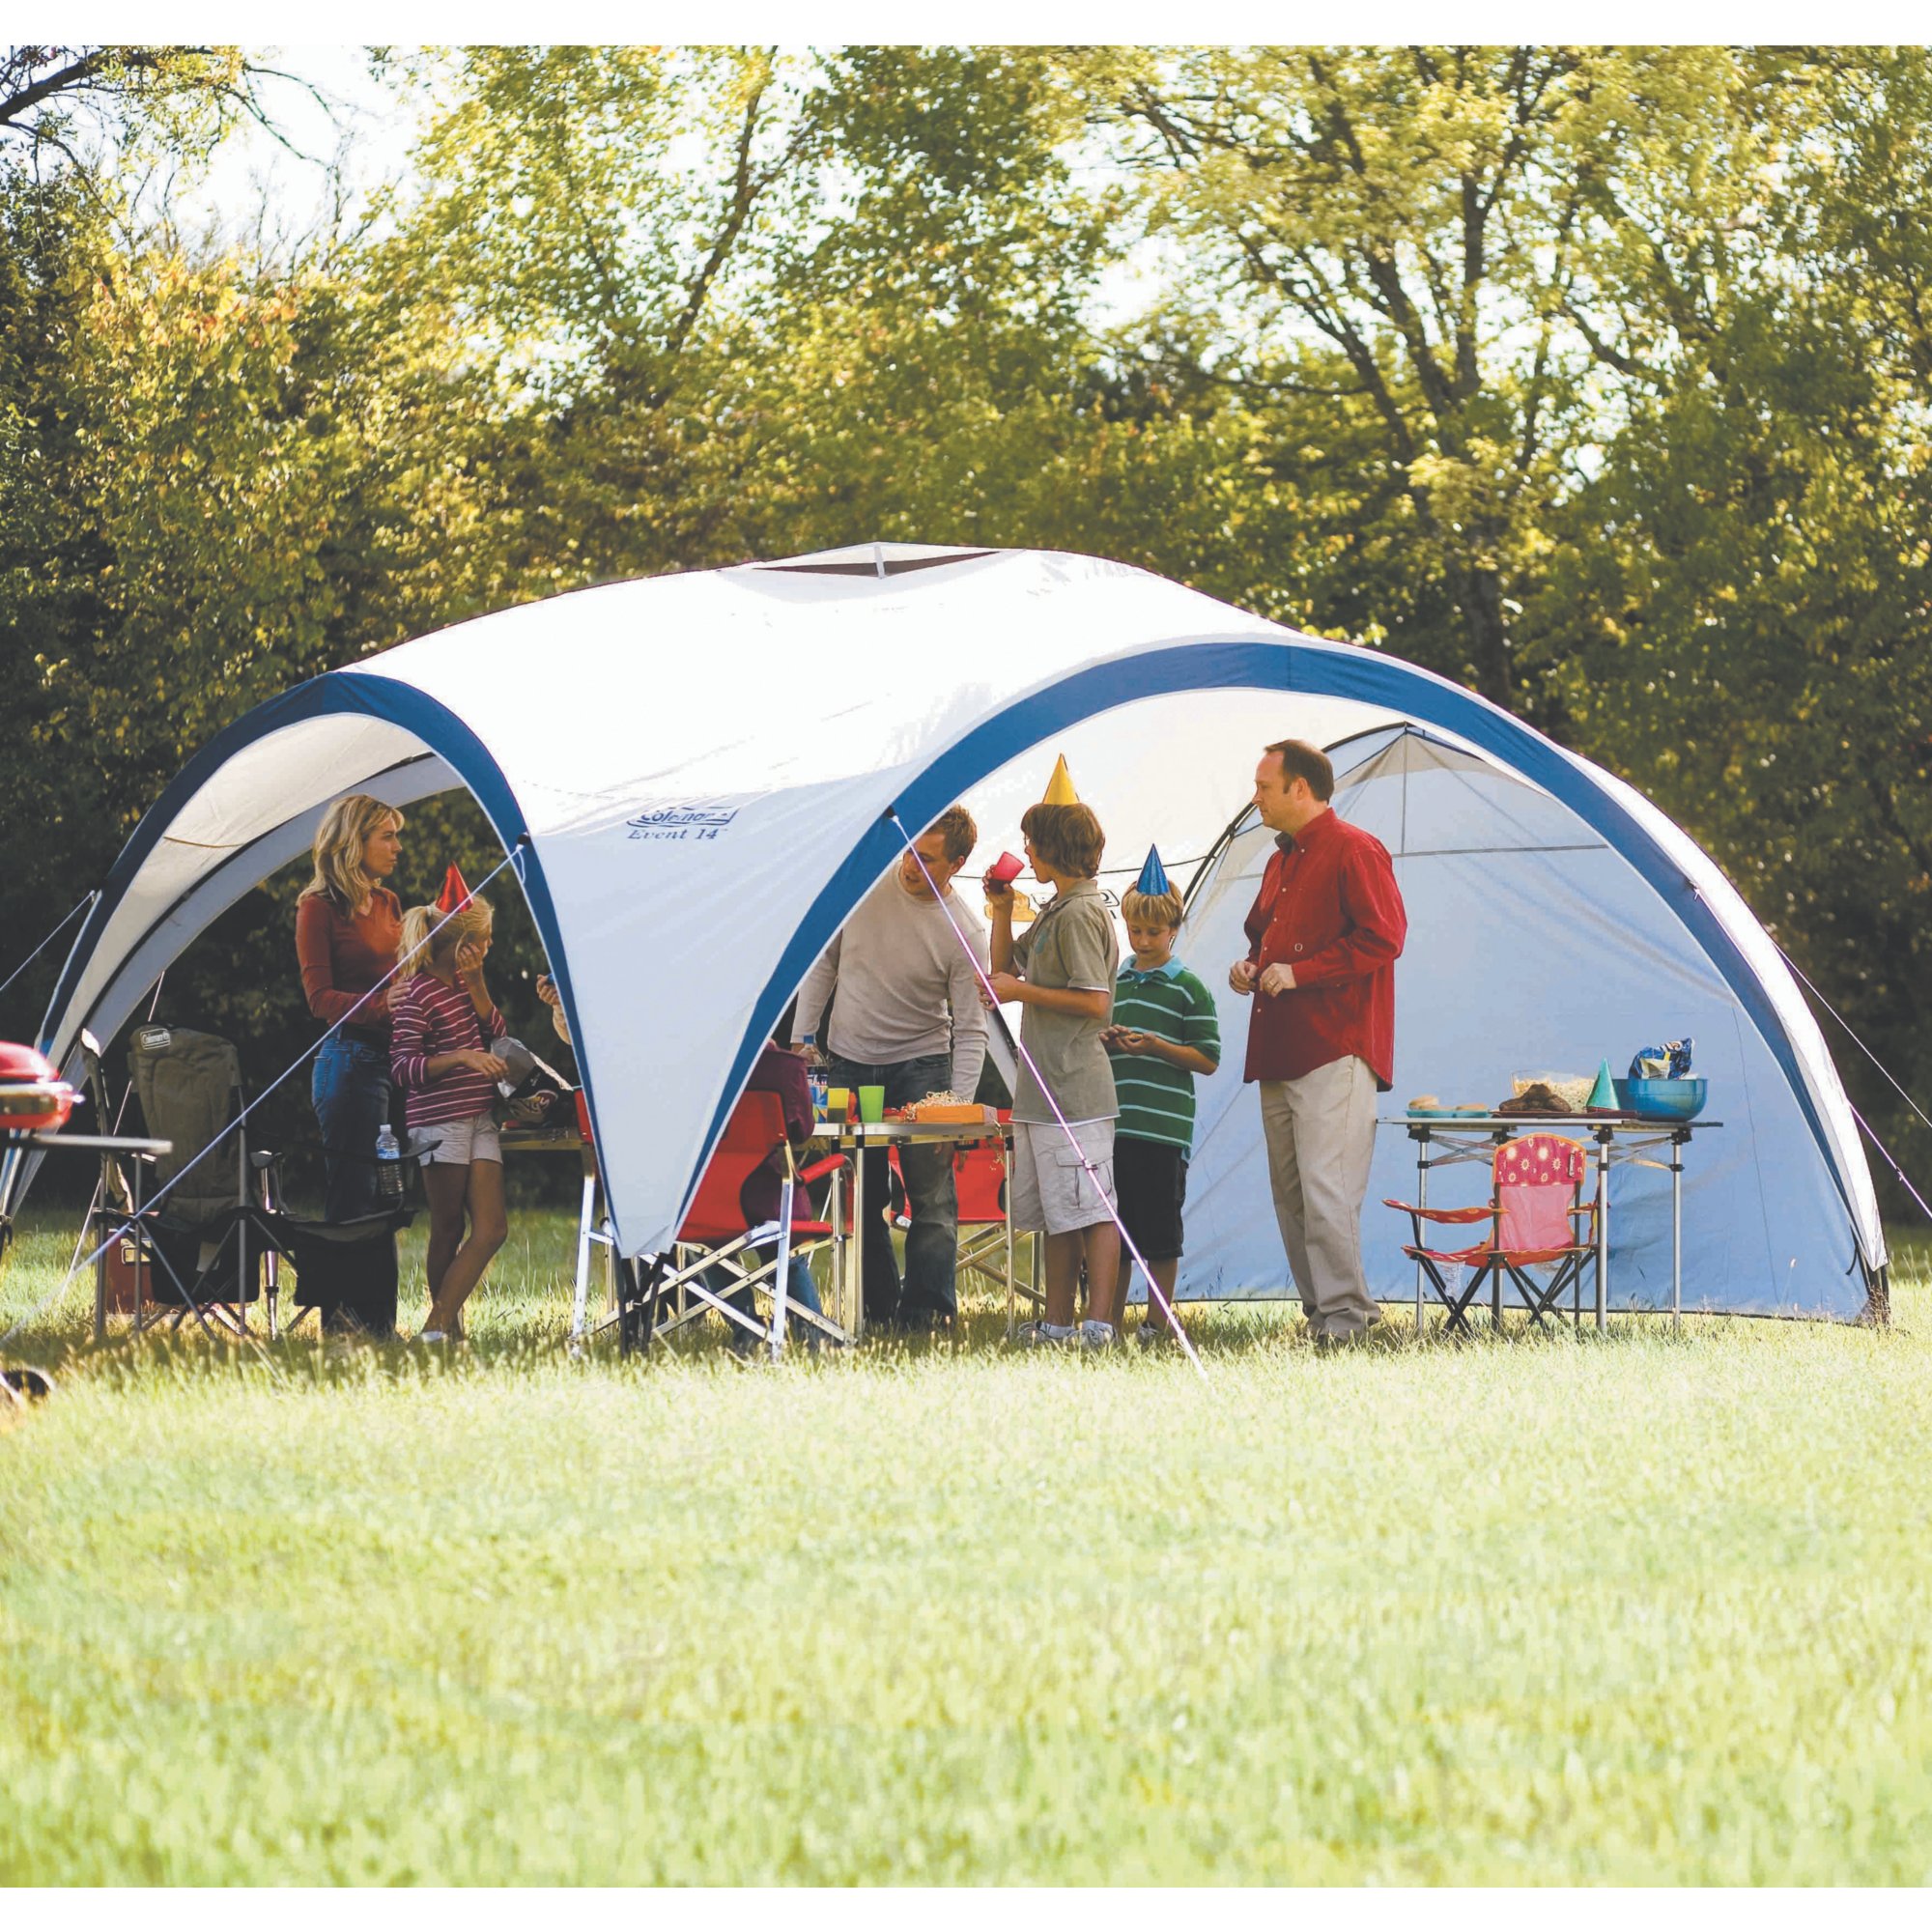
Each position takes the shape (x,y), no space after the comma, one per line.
(1006,1172)
(857,1269)
(135,1216)
(1421,1201)
(94,1225)
(1602,1232)
(1676,1233)
(834,1209)
(581,1287)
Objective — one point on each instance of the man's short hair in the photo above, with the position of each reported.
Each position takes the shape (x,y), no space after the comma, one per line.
(1150,908)
(1299,760)
(1067,837)
(955,826)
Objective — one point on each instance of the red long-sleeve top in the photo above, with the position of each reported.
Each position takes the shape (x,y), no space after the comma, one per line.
(341,957)
(1329,909)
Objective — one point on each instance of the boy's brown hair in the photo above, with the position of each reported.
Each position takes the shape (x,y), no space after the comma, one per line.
(1299,760)
(1150,908)
(1067,837)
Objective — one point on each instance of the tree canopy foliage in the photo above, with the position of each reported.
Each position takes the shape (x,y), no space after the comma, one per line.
(1597,378)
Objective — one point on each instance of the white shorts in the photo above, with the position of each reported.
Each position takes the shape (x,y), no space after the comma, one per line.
(458,1142)
(1051,1186)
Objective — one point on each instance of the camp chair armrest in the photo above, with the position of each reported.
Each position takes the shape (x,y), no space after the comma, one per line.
(1457,1216)
(830,1164)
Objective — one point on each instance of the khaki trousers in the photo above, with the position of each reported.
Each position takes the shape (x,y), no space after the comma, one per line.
(1321,1137)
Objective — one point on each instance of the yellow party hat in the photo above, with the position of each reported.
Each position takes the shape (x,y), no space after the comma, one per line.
(1059,786)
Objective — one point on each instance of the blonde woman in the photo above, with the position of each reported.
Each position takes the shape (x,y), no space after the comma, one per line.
(348,926)
(440,1056)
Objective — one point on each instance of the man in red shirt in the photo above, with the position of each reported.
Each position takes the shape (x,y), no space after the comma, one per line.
(1324,933)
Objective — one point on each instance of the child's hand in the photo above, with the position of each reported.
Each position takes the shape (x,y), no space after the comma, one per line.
(470,954)
(479,1062)
(547,991)
(1005,986)
(1129,1040)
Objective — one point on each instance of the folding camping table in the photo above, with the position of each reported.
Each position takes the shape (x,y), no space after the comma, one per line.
(106,1145)
(854,1137)
(1622,1141)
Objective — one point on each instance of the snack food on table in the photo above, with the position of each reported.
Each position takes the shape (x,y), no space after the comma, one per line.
(949,1110)
(1423,1103)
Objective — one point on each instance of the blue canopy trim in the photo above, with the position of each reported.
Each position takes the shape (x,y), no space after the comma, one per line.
(1290,667)
(1286,666)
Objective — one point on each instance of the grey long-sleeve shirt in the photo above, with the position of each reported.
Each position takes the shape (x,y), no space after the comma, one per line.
(904,986)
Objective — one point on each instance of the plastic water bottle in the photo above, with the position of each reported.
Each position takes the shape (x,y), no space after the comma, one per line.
(388,1164)
(814,1077)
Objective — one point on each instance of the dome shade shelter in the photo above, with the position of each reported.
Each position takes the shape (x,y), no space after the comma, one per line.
(700,776)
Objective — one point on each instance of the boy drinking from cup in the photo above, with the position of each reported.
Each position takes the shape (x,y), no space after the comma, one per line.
(1062,972)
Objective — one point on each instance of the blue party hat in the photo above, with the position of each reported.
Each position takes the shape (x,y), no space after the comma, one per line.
(1153,881)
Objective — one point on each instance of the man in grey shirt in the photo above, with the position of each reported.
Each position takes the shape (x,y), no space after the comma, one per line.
(906,1016)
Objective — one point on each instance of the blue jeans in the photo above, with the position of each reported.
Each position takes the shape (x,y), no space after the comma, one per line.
(351,1090)
(932,1199)
(799,1289)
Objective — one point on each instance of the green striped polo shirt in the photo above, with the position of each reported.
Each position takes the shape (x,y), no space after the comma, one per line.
(1156,1098)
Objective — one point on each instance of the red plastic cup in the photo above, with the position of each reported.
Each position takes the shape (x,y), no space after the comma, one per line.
(1004,870)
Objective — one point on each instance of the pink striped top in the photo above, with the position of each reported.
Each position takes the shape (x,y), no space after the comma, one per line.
(431,1018)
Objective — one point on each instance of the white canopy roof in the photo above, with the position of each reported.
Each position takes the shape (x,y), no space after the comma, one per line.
(700,776)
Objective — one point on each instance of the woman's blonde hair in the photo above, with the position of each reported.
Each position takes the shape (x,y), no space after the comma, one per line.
(418,949)
(346,826)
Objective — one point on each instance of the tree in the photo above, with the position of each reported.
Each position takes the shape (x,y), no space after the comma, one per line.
(1395,237)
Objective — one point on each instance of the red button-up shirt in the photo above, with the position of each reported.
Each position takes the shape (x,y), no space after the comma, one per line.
(1329,909)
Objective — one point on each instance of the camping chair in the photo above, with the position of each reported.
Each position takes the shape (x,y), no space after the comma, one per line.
(1538,1183)
(205,1247)
(979,1181)
(671,1292)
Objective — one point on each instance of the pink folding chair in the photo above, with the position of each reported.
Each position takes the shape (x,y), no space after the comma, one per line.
(1538,1199)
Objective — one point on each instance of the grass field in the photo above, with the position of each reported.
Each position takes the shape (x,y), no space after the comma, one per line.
(1652,1607)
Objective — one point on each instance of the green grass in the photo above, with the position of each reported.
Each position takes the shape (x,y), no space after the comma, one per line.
(1645,1609)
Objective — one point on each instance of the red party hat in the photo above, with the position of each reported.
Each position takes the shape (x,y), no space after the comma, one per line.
(455,894)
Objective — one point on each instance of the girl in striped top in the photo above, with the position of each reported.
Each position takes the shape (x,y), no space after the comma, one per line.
(444,1019)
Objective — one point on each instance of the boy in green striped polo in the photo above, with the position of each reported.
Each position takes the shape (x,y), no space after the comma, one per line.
(1164,1031)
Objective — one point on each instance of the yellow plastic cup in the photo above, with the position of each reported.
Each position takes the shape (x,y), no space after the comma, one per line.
(871,1103)
(837,1102)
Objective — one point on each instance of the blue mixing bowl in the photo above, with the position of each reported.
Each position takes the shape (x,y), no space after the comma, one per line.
(1663,1099)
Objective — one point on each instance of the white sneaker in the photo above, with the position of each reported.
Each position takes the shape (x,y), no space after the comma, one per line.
(1096,1334)
(1154,1335)
(1046,1334)
(433,1335)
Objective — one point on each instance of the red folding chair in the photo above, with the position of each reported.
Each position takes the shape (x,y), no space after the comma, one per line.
(714,1234)
(1538,1184)
(980,1183)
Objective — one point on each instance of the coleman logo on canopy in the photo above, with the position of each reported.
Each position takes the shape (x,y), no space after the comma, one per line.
(682,821)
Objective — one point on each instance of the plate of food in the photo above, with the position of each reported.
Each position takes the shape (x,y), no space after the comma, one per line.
(1426,1107)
